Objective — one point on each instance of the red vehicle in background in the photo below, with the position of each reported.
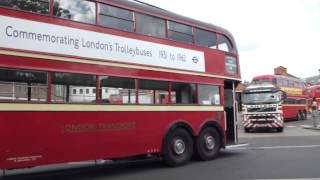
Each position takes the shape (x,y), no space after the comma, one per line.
(295,105)
(314,92)
(112,79)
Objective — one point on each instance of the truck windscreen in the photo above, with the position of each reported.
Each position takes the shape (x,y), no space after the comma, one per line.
(261,97)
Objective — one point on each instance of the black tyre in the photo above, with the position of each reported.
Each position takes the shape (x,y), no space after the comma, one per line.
(208,144)
(280,129)
(246,130)
(177,148)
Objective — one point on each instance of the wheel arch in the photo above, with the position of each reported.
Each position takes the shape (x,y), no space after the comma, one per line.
(175,125)
(217,126)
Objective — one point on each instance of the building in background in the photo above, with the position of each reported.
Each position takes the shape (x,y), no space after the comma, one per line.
(313,80)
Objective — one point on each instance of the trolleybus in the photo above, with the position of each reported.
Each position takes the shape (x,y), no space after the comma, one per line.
(110,79)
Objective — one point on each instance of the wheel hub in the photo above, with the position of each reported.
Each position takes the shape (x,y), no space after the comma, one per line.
(210,144)
(179,146)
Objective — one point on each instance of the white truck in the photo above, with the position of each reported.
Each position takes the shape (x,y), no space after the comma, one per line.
(262,107)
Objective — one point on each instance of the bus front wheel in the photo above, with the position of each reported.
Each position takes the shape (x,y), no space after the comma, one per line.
(178,147)
(208,144)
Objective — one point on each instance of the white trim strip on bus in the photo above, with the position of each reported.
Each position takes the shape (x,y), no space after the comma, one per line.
(107,108)
(97,62)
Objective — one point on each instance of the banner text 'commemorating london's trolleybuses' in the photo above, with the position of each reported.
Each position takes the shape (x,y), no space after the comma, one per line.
(43,37)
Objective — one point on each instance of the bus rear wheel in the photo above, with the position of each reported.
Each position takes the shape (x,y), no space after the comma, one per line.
(177,148)
(208,144)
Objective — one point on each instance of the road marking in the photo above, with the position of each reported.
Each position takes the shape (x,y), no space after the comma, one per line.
(291,126)
(278,147)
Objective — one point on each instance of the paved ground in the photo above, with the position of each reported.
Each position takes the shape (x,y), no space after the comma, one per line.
(292,128)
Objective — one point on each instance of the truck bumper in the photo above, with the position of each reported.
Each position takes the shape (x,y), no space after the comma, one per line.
(263,120)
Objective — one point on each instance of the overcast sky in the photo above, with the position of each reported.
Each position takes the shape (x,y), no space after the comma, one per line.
(268,33)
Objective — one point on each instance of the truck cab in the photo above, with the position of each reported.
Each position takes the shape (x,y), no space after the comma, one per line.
(262,107)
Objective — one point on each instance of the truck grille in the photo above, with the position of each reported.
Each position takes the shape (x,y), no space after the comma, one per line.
(268,109)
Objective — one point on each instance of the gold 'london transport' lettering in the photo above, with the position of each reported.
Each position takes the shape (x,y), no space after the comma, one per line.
(100,127)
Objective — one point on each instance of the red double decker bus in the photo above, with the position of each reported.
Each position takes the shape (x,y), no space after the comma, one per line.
(110,79)
(295,104)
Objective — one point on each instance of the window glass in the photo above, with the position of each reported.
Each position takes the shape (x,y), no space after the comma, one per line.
(261,81)
(23,85)
(36,6)
(289,101)
(64,83)
(77,10)
(116,18)
(180,32)
(153,92)
(151,26)
(224,43)
(318,90)
(301,101)
(183,93)
(117,90)
(209,95)
(205,38)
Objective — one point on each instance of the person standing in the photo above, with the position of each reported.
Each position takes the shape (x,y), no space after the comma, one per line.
(315,113)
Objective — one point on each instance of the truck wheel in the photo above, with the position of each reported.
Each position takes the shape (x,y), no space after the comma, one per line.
(280,129)
(208,144)
(246,130)
(177,148)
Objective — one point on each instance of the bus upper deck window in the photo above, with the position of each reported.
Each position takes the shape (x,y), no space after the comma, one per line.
(116,18)
(205,38)
(151,26)
(224,43)
(36,6)
(179,32)
(80,10)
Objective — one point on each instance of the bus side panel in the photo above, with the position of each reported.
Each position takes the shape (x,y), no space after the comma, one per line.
(145,131)
(34,138)
(291,111)
(216,63)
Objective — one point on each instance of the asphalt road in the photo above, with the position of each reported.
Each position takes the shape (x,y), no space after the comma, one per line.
(293,154)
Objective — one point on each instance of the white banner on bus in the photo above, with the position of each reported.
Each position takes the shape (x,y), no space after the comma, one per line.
(43,37)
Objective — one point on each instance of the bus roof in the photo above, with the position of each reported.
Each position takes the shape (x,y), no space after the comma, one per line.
(261,88)
(275,76)
(159,12)
(315,86)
